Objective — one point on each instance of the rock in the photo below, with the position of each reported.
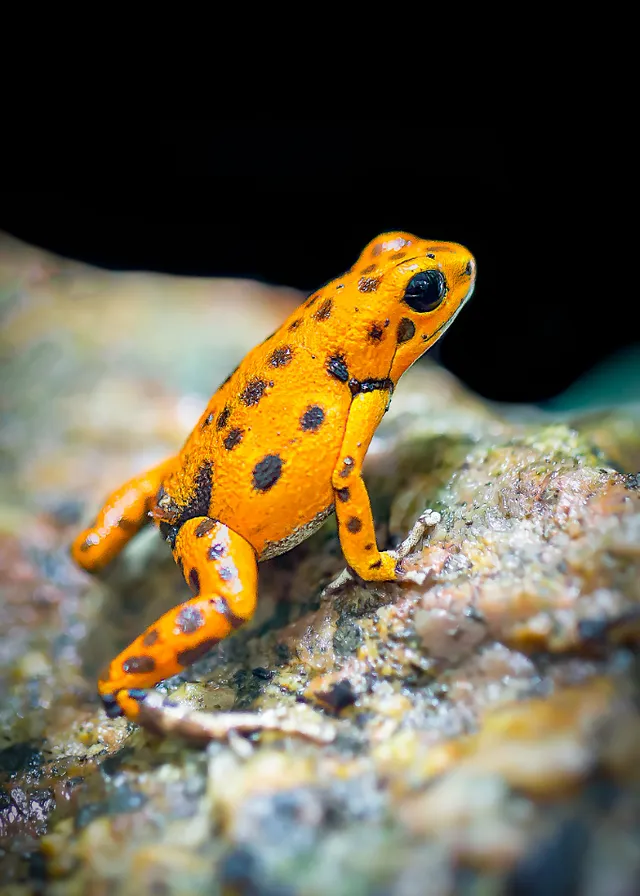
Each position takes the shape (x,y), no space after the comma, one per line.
(483,714)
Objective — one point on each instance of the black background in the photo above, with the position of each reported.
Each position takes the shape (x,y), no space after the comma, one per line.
(294,203)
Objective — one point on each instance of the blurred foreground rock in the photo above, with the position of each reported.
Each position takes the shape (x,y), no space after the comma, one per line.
(486,714)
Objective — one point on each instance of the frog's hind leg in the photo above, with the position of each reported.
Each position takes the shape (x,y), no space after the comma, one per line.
(123,514)
(221,570)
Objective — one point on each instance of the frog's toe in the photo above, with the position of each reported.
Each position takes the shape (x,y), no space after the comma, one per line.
(346,575)
(111,706)
(427,520)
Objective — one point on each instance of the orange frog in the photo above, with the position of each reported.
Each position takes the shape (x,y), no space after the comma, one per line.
(279,448)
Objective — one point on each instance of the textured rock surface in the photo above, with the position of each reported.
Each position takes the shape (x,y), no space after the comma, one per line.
(485,713)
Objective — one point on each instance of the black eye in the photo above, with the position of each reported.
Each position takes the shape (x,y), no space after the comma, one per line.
(425,291)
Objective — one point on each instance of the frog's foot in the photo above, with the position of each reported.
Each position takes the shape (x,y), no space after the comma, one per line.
(124,513)
(124,703)
(220,568)
(426,520)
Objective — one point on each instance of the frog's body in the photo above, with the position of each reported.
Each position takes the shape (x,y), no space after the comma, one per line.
(279,447)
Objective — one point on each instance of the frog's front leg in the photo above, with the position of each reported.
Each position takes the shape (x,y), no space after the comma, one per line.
(221,569)
(353,509)
(124,513)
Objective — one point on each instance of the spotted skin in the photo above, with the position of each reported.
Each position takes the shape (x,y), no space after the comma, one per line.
(279,447)
(228,581)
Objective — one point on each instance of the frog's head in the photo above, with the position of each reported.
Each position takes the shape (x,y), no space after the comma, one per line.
(421,285)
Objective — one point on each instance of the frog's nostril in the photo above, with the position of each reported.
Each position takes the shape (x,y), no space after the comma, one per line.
(470,268)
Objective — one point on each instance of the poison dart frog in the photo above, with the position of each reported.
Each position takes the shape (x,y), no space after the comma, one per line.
(279,448)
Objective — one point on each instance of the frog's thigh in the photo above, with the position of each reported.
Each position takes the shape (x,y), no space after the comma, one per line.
(221,569)
(353,509)
(121,517)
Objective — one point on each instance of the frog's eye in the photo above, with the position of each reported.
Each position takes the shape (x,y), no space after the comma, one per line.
(425,291)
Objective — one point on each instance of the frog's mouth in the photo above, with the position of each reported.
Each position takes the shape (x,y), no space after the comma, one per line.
(447,323)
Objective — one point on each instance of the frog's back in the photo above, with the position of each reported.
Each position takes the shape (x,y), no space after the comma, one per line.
(261,458)
(270,436)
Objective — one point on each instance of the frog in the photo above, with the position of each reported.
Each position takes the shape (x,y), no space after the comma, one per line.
(278,449)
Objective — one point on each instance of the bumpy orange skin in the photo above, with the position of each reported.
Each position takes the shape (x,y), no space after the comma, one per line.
(279,447)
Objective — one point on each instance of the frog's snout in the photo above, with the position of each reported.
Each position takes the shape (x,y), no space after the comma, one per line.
(469,274)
